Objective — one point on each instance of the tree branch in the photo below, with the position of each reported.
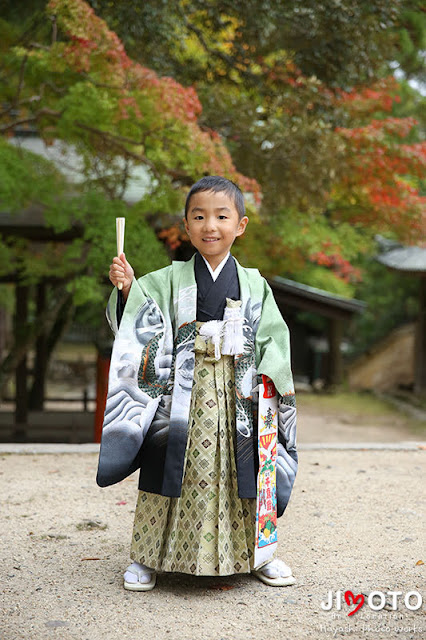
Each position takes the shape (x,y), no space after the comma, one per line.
(124,178)
(37,45)
(20,81)
(231,63)
(54,29)
(43,112)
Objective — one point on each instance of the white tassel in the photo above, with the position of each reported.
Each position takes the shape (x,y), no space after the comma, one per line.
(213,329)
(233,335)
(230,329)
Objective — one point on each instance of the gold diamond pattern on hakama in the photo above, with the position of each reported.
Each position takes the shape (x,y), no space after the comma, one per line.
(208,530)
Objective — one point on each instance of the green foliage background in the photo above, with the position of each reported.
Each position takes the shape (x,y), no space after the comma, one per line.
(341,45)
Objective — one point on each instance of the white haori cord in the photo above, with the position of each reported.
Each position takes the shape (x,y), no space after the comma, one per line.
(229,331)
(213,329)
(233,335)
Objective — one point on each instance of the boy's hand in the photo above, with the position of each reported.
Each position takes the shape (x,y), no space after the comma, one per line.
(121,271)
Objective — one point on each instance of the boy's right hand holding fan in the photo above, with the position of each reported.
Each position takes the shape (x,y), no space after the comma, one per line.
(121,271)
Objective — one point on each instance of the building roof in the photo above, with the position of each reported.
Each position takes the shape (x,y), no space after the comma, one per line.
(291,293)
(30,223)
(410,259)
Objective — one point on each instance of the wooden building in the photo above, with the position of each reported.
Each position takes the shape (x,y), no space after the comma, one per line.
(411,260)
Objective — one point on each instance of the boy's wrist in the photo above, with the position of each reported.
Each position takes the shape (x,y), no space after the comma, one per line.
(125,290)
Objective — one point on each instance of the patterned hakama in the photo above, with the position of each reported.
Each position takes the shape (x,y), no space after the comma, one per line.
(208,530)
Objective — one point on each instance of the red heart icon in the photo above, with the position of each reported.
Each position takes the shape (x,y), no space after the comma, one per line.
(359,598)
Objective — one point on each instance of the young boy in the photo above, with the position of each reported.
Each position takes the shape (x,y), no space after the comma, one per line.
(193,342)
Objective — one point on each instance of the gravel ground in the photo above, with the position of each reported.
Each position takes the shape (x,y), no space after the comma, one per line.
(353,523)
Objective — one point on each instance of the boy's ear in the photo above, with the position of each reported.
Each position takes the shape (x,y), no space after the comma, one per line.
(242,225)
(185,222)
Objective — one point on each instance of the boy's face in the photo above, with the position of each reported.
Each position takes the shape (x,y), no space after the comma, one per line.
(213,224)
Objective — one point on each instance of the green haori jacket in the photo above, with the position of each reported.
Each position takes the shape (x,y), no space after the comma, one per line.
(151,377)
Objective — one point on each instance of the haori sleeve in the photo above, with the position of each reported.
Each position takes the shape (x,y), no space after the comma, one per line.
(115,307)
(287,458)
(129,409)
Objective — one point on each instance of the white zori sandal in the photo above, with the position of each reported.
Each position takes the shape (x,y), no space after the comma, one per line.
(275,574)
(138,577)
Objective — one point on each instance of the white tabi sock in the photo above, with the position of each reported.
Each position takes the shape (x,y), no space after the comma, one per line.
(143,576)
(276,569)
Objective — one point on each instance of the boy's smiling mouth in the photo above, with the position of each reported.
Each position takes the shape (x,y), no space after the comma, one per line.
(210,239)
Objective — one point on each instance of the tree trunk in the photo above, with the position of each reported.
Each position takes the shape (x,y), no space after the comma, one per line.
(45,345)
(22,344)
(335,364)
(420,342)
(21,371)
(36,399)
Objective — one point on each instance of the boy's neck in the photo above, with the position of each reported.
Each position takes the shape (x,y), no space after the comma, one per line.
(215,261)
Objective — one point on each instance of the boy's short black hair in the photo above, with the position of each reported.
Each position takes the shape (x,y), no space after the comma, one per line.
(217,183)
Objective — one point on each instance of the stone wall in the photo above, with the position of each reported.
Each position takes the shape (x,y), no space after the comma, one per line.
(388,365)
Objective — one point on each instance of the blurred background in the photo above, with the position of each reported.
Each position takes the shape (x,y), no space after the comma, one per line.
(316,110)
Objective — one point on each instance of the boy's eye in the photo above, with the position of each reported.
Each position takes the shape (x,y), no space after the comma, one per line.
(199,217)
(222,217)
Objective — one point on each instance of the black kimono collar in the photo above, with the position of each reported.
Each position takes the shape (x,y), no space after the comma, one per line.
(212,294)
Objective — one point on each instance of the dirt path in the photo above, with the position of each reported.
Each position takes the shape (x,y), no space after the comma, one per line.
(331,427)
(354,523)
(346,417)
